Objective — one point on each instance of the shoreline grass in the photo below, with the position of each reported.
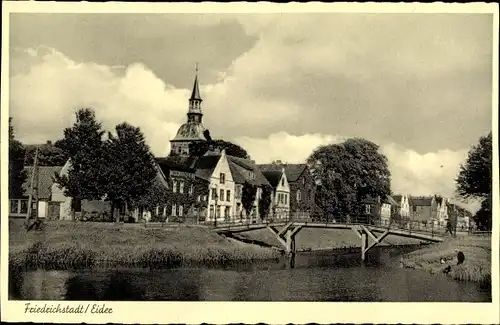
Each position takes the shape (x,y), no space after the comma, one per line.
(476,267)
(70,245)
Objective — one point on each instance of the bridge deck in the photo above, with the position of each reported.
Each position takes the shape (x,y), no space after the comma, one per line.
(433,236)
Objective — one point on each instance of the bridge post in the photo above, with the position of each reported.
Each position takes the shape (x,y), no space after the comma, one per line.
(364,244)
(290,241)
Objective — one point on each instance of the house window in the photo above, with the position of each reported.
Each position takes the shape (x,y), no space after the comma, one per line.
(414,208)
(191,189)
(174,208)
(214,194)
(303,181)
(299,195)
(164,210)
(180,210)
(217,211)
(222,178)
(14,206)
(24,206)
(199,198)
(286,198)
(368,209)
(174,186)
(212,211)
(204,197)
(181,187)
(228,195)
(226,212)
(157,210)
(221,195)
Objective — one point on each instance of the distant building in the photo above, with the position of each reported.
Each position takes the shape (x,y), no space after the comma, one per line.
(280,204)
(302,186)
(191,131)
(403,201)
(423,208)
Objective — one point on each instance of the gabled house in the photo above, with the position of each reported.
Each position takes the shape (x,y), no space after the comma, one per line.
(380,207)
(246,171)
(213,169)
(46,208)
(404,209)
(302,186)
(441,213)
(280,203)
(423,208)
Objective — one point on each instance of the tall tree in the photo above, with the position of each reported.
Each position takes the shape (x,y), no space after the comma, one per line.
(83,145)
(265,201)
(131,170)
(475,179)
(17,174)
(248,194)
(347,173)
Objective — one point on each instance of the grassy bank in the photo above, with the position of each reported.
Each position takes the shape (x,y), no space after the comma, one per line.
(62,245)
(319,239)
(477,264)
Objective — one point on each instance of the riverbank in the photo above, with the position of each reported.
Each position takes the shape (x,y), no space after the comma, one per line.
(67,245)
(477,264)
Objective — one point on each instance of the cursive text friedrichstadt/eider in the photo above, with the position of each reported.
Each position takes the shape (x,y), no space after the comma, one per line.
(67,309)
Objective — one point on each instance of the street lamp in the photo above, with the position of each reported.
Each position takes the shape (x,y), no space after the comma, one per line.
(216,206)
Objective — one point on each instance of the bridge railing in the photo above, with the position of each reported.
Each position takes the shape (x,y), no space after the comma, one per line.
(409,227)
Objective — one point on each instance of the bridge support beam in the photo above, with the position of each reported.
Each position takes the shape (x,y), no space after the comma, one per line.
(286,236)
(365,233)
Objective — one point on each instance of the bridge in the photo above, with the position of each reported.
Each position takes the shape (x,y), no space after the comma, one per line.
(286,230)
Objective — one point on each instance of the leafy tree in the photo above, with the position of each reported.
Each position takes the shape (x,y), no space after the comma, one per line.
(48,154)
(265,201)
(17,174)
(201,147)
(155,196)
(475,179)
(248,194)
(347,173)
(130,168)
(83,145)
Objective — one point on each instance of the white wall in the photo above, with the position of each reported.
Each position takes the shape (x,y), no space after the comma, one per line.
(222,167)
(282,208)
(58,196)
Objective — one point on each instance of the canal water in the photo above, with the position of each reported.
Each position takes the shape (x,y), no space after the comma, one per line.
(315,276)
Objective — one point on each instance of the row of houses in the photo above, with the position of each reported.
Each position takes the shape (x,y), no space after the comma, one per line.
(432,210)
(200,189)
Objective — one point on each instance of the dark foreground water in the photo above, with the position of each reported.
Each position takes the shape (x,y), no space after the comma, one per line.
(317,276)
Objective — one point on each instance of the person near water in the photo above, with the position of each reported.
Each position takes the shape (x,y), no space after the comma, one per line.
(460,257)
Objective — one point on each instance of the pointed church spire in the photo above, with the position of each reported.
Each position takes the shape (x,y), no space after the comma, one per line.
(195,95)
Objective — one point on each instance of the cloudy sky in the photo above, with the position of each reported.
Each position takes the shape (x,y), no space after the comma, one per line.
(419,85)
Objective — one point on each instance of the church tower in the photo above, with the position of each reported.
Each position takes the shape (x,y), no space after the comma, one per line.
(192,130)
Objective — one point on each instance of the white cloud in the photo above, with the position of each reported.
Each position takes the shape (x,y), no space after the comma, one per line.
(45,94)
(44,98)
(412,173)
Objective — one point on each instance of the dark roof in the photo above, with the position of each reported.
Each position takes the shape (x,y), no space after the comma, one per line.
(397,198)
(195,94)
(205,166)
(273,176)
(292,171)
(240,165)
(168,164)
(45,180)
(420,201)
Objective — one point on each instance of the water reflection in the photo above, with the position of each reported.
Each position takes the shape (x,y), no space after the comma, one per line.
(318,276)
